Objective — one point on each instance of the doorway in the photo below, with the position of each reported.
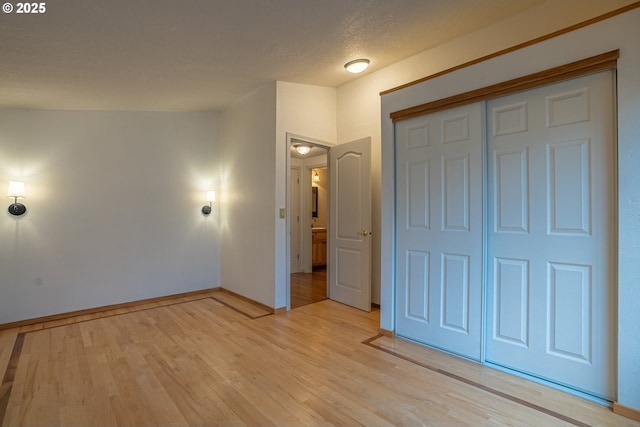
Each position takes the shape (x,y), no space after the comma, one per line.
(348,230)
(309,221)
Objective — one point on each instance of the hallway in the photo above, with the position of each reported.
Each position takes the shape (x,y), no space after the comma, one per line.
(307,288)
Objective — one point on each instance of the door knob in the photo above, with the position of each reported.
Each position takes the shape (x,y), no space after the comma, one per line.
(365,233)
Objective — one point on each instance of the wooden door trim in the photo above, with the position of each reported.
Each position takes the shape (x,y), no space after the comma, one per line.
(626,411)
(594,64)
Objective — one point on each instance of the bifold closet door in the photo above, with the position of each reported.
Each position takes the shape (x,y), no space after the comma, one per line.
(439,229)
(550,250)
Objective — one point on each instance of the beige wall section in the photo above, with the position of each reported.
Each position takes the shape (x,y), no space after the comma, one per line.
(254,182)
(247,199)
(308,111)
(113,208)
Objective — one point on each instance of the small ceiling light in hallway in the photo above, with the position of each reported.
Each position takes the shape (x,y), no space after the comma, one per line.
(357,65)
(302,149)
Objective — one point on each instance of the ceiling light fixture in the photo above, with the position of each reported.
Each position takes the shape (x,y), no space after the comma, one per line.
(302,149)
(357,65)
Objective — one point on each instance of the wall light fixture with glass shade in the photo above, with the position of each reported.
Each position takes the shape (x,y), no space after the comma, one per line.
(16,190)
(316,177)
(211,198)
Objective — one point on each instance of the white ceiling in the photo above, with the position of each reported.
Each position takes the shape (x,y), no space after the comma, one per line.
(204,54)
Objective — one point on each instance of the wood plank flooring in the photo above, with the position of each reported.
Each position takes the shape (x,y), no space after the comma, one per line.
(207,362)
(308,288)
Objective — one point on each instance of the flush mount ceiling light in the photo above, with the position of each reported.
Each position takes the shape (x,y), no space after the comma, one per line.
(357,65)
(302,149)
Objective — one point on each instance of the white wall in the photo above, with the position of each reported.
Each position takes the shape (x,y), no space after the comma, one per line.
(255,179)
(113,208)
(247,199)
(307,111)
(620,32)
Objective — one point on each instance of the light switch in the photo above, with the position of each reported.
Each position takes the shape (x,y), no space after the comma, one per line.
(281,212)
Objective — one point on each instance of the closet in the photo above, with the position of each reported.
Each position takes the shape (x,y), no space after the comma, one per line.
(505,250)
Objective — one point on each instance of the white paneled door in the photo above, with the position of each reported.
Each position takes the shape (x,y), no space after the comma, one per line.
(550,281)
(439,229)
(350,224)
(545,253)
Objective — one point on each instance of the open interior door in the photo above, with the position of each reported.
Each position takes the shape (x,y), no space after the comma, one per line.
(350,224)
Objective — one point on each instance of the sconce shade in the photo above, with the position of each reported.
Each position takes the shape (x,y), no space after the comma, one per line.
(16,189)
(211,198)
(316,177)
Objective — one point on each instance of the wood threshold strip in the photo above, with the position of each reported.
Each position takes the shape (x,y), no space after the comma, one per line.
(253,302)
(514,399)
(237,310)
(602,62)
(9,375)
(387,333)
(625,411)
(519,46)
(95,310)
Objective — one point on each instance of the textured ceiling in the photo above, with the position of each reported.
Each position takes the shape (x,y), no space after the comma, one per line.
(204,54)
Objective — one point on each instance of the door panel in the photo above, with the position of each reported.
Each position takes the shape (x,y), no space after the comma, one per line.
(350,224)
(439,229)
(512,300)
(550,279)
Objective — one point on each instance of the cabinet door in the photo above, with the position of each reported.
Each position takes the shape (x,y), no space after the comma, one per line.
(319,248)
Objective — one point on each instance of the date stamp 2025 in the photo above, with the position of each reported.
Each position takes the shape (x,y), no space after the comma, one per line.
(24,8)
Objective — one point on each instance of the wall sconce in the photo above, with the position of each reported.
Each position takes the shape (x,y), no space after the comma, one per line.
(16,189)
(316,177)
(211,198)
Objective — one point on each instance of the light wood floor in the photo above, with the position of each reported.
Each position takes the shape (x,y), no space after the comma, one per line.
(308,288)
(216,360)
